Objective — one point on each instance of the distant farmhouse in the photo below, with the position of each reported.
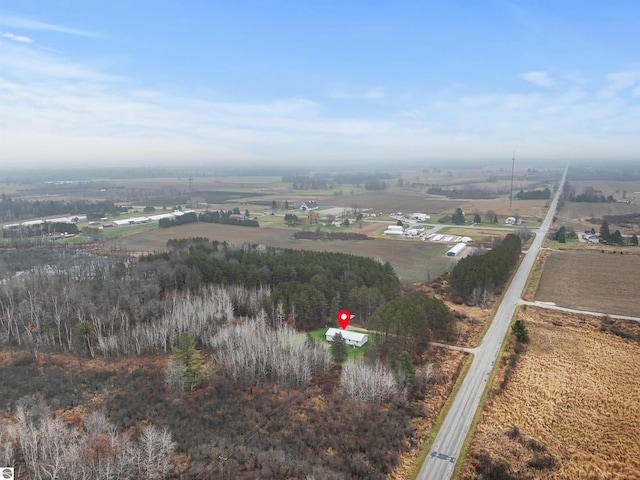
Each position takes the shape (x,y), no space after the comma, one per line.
(591,237)
(513,221)
(420,217)
(356,339)
(308,206)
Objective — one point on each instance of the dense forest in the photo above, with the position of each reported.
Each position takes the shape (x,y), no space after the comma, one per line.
(475,278)
(270,403)
(124,306)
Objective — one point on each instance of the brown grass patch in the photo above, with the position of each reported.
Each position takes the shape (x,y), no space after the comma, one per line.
(593,281)
(570,410)
(447,365)
(470,320)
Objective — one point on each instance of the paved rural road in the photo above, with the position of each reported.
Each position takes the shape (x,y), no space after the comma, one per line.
(446,447)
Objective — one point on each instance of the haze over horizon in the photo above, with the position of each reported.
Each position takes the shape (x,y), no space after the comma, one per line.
(274,82)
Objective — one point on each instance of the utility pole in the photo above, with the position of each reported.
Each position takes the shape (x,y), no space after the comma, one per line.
(513,163)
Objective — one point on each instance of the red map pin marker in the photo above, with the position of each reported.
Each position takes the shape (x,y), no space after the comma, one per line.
(344,317)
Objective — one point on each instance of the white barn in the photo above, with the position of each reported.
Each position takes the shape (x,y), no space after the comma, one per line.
(455,250)
(350,337)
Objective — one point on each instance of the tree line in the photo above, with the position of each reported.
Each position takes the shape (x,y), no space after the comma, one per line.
(210,216)
(589,195)
(543,194)
(474,278)
(324,181)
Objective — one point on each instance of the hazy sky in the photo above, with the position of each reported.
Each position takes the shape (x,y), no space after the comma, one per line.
(140,82)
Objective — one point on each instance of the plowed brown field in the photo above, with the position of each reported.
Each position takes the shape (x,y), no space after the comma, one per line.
(591,280)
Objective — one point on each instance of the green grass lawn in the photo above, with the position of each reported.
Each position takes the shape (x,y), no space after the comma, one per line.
(570,243)
(115,232)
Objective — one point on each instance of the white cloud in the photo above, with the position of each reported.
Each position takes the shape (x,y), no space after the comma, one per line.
(15,21)
(618,82)
(17,38)
(59,109)
(636,92)
(539,78)
(32,64)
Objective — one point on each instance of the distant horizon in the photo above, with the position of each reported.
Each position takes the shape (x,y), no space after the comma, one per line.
(331,83)
(93,173)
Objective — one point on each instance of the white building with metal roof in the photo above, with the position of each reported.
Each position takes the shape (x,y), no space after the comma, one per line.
(357,339)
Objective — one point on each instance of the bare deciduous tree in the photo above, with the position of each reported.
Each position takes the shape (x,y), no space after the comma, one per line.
(369,383)
(251,351)
(45,448)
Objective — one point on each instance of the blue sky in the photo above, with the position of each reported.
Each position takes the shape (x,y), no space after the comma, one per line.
(317,81)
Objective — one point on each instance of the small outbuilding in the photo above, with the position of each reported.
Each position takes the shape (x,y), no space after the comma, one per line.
(356,339)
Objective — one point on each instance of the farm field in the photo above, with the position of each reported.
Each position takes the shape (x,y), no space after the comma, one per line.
(570,408)
(531,211)
(609,187)
(592,280)
(412,260)
(576,215)
(395,200)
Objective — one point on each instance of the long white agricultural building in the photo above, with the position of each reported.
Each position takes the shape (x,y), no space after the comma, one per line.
(350,337)
(456,249)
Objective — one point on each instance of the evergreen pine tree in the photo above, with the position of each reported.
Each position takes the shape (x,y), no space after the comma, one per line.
(520,331)
(339,351)
(605,234)
(405,371)
(190,360)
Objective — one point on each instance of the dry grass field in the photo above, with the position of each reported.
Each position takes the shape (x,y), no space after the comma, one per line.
(413,260)
(531,211)
(591,280)
(570,409)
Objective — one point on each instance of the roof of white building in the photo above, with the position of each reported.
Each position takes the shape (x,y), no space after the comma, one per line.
(346,334)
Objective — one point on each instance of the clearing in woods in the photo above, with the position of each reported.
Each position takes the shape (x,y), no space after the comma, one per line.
(592,280)
(570,409)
